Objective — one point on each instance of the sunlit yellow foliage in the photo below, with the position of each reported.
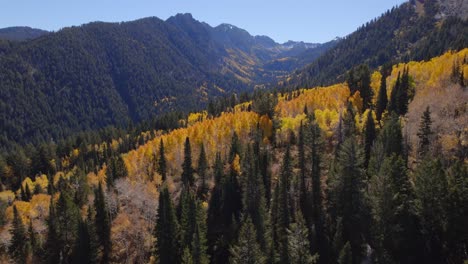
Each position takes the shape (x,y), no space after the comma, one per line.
(215,134)
(93,179)
(266,125)
(289,123)
(196,117)
(42,181)
(7,196)
(332,97)
(236,164)
(357,101)
(327,120)
(375,84)
(23,210)
(242,107)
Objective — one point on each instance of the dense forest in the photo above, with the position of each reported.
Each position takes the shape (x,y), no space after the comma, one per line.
(145,142)
(411,31)
(323,175)
(109,74)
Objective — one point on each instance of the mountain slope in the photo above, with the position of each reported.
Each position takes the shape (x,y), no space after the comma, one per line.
(100,74)
(412,31)
(21,33)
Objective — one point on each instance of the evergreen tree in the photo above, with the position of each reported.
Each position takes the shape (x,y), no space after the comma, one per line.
(346,255)
(431,200)
(369,137)
(424,133)
(52,245)
(349,124)
(103,224)
(247,250)
(394,213)
(202,173)
(67,223)
(17,248)
(83,251)
(199,242)
(298,246)
(382,99)
(284,207)
(318,217)
(402,95)
(391,136)
(457,212)
(393,104)
(187,214)
(347,196)
(166,231)
(33,240)
(186,257)
(162,163)
(365,87)
(27,192)
(187,169)
(254,197)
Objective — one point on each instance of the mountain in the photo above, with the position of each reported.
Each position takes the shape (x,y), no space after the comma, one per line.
(100,74)
(416,30)
(21,33)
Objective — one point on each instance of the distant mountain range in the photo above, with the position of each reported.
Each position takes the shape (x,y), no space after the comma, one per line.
(21,33)
(100,74)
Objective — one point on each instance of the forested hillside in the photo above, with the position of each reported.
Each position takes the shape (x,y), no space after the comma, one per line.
(415,30)
(99,74)
(372,169)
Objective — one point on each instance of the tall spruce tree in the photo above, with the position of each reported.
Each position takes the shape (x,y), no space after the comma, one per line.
(83,252)
(382,99)
(393,104)
(424,133)
(103,224)
(284,206)
(202,173)
(199,241)
(347,196)
(52,245)
(298,246)
(247,250)
(67,223)
(431,201)
(166,230)
(369,137)
(187,168)
(17,247)
(318,216)
(162,163)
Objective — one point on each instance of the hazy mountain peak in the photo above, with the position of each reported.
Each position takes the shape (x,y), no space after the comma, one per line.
(21,33)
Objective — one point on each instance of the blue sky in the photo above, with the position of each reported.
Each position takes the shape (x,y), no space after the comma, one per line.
(312,20)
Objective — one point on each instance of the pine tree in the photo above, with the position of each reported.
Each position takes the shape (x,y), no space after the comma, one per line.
(369,137)
(402,95)
(166,231)
(393,104)
(424,133)
(284,206)
(347,195)
(27,192)
(17,248)
(318,217)
(186,257)
(162,163)
(199,242)
(103,224)
(365,87)
(346,255)
(52,245)
(298,246)
(391,136)
(382,99)
(247,250)
(187,214)
(202,173)
(254,197)
(67,223)
(33,240)
(83,251)
(457,230)
(187,169)
(349,124)
(431,200)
